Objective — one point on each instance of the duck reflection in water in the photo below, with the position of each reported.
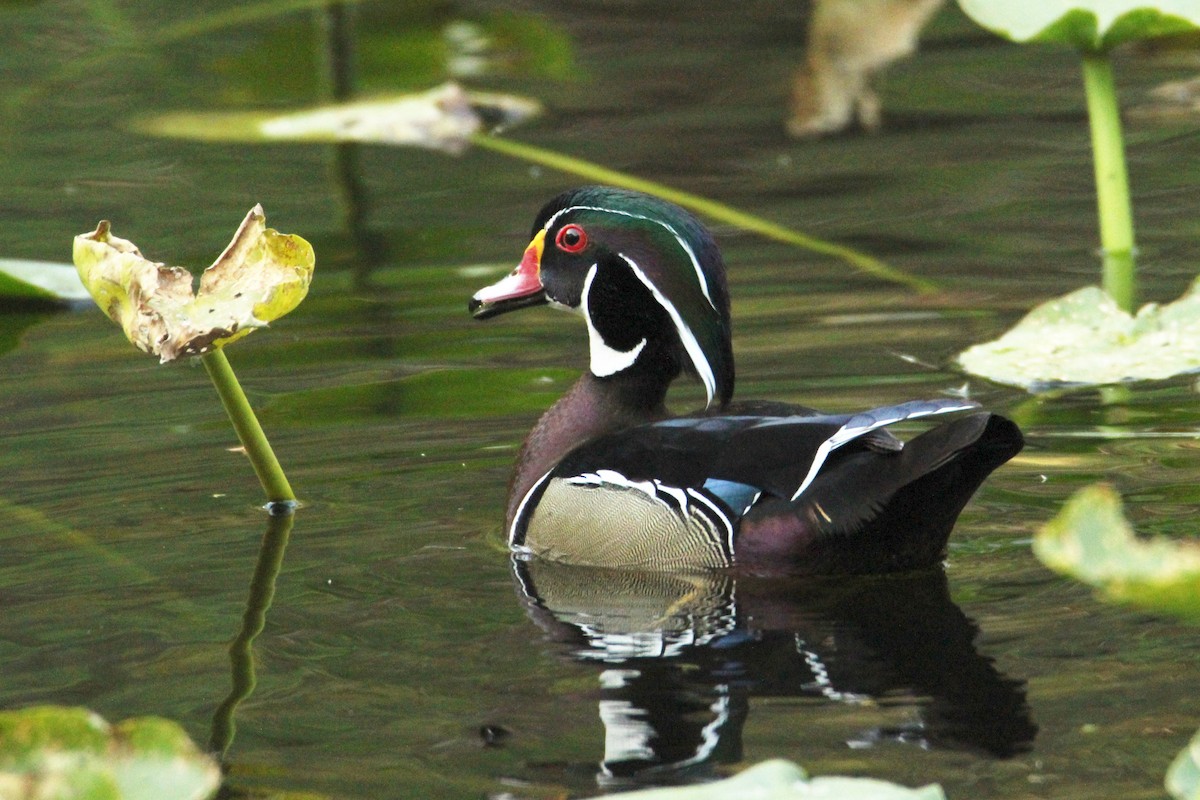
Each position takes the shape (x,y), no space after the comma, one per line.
(680,656)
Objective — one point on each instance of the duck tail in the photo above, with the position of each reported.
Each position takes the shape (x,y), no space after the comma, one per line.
(878,512)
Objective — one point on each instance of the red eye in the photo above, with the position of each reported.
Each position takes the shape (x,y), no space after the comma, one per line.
(571,239)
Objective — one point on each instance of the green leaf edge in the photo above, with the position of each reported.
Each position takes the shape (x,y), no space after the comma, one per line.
(1069,544)
(1079,28)
(93,760)
(990,359)
(60,284)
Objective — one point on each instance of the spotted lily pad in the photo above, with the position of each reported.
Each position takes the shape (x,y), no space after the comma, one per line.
(1089,25)
(1183,778)
(444,118)
(782,780)
(60,753)
(1091,540)
(260,276)
(1083,338)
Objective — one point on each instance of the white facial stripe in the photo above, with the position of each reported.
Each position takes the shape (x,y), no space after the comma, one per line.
(694,351)
(682,242)
(605,360)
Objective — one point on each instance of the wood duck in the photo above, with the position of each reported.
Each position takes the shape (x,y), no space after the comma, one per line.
(608,477)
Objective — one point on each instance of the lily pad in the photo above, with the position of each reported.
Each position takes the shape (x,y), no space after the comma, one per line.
(1084,338)
(260,276)
(40,281)
(56,753)
(444,118)
(1091,540)
(1183,778)
(782,780)
(1089,25)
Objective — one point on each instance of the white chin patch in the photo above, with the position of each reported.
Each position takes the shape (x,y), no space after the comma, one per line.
(564,307)
(608,361)
(605,360)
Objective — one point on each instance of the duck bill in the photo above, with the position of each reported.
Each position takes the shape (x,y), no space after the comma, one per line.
(520,288)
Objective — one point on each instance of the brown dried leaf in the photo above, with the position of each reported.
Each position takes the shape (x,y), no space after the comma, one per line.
(260,276)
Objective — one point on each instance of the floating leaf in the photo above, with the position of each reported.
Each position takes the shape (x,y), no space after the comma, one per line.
(53,752)
(260,276)
(1083,338)
(1091,540)
(40,280)
(1090,25)
(1183,778)
(443,118)
(782,780)
(437,120)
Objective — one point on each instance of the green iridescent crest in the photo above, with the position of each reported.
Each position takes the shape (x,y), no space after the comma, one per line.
(676,255)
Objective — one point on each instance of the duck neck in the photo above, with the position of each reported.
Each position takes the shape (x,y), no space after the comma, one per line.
(592,407)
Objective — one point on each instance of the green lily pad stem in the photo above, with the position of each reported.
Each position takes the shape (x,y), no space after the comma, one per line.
(1112,180)
(711,208)
(260,276)
(280,497)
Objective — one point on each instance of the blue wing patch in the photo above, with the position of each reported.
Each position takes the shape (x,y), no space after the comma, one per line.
(739,497)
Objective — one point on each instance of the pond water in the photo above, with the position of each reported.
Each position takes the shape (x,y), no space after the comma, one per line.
(403,655)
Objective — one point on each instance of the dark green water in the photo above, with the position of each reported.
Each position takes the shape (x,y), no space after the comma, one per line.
(130,533)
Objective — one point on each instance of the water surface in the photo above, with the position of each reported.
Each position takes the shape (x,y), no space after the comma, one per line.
(402,656)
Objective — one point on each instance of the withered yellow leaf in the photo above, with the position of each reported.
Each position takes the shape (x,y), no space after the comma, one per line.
(261,275)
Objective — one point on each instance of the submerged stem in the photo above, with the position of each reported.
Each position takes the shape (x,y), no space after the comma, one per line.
(711,208)
(249,432)
(1112,180)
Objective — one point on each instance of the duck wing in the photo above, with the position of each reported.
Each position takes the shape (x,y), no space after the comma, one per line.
(868,512)
(777,454)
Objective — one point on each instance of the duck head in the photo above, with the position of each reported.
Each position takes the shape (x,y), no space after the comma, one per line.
(646,276)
